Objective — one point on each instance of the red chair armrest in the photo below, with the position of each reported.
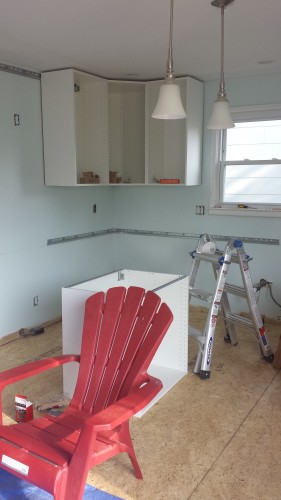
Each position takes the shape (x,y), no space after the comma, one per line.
(29,369)
(117,413)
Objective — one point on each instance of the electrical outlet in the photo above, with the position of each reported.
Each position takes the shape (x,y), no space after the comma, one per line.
(35,300)
(199,210)
(16,119)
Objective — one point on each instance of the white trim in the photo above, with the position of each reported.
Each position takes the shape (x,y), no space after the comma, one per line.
(263,111)
(216,206)
(244,212)
(214,170)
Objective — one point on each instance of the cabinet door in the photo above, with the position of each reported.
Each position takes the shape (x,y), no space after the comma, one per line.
(59,128)
(126,132)
(173,147)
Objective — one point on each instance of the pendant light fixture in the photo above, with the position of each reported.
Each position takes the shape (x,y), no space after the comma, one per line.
(169,105)
(220,117)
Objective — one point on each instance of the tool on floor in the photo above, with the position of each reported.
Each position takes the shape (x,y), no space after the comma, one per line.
(218,300)
(26,332)
(54,402)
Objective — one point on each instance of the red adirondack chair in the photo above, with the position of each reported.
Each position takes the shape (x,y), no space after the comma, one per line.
(121,333)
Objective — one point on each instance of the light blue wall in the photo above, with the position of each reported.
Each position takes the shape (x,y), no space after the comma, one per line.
(32,213)
(172,209)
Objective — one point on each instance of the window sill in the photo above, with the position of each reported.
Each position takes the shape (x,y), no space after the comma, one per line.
(245,212)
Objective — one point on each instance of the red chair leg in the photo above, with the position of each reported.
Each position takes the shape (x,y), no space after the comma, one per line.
(126,439)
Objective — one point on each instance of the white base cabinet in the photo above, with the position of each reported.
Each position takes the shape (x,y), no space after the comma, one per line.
(170,363)
(105,127)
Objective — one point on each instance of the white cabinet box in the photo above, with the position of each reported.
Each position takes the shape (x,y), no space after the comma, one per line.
(174,147)
(170,363)
(75,128)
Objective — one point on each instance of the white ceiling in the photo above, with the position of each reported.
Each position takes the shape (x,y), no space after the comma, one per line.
(128,39)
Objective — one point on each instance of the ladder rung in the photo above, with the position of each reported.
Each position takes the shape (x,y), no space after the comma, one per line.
(200,294)
(193,332)
(208,257)
(214,257)
(236,318)
(235,290)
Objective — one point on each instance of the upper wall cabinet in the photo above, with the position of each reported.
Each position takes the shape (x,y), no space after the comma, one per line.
(75,127)
(100,132)
(174,147)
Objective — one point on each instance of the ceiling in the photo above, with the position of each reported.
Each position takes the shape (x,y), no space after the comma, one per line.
(128,39)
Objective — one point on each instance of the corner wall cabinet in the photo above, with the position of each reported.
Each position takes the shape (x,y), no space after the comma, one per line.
(104,128)
(127,130)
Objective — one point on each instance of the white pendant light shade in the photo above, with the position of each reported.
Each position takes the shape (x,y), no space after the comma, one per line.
(169,105)
(220,117)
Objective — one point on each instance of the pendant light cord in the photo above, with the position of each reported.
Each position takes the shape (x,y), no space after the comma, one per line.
(221,92)
(170,64)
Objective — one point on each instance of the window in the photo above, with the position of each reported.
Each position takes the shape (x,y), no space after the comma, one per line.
(248,162)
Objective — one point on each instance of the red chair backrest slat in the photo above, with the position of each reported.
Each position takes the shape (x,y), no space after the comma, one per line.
(121,334)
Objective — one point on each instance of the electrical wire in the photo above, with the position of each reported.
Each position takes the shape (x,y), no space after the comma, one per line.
(271,294)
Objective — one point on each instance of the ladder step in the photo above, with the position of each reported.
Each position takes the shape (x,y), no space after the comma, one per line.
(214,257)
(236,318)
(208,257)
(235,290)
(200,294)
(196,334)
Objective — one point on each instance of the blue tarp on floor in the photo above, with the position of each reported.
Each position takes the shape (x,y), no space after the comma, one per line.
(13,488)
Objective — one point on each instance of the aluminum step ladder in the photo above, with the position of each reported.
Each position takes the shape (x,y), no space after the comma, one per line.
(219,301)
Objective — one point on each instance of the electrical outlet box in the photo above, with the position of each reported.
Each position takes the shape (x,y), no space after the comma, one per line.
(199,210)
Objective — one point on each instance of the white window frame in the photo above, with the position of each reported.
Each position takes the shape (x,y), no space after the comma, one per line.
(217,207)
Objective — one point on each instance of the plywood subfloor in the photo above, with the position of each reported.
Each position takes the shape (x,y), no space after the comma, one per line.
(205,440)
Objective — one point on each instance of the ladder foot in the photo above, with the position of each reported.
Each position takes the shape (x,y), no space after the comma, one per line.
(204,374)
(269,358)
(228,340)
